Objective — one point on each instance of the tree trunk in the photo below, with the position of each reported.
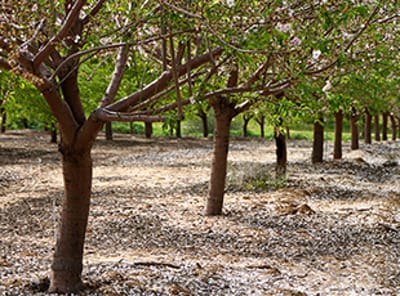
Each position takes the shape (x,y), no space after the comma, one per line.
(148,129)
(109,131)
(398,126)
(67,261)
(246,120)
(224,113)
(3,121)
(394,127)
(179,129)
(287,132)
(204,121)
(281,153)
(261,123)
(318,142)
(354,130)
(377,128)
(337,149)
(385,117)
(367,127)
(53,135)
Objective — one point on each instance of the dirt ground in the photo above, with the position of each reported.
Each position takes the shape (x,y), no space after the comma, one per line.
(329,229)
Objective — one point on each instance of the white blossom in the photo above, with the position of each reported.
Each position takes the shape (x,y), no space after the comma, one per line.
(327,87)
(283,27)
(230,3)
(316,54)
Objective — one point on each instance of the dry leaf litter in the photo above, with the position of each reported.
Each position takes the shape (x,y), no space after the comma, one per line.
(328,229)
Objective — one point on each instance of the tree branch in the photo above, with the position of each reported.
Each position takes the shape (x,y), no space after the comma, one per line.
(116,79)
(96,8)
(106,115)
(162,82)
(73,15)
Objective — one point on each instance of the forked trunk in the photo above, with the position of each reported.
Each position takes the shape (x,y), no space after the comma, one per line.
(377,128)
(367,127)
(246,120)
(109,131)
(394,127)
(337,149)
(261,123)
(354,130)
(223,119)
(318,142)
(67,261)
(385,117)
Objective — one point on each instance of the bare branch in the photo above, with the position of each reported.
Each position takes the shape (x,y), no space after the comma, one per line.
(116,79)
(73,15)
(106,115)
(162,82)
(96,8)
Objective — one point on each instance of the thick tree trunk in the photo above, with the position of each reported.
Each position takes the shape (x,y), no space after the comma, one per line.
(377,128)
(385,117)
(354,131)
(261,123)
(281,153)
(394,127)
(109,131)
(67,261)
(318,142)
(148,129)
(367,127)
(337,149)
(224,113)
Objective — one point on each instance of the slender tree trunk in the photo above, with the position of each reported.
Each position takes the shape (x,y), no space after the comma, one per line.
(318,142)
(354,130)
(281,153)
(287,132)
(398,126)
(224,113)
(53,135)
(3,121)
(385,117)
(109,131)
(261,123)
(148,129)
(179,129)
(394,127)
(67,261)
(204,120)
(131,128)
(367,127)
(337,149)
(25,123)
(246,120)
(377,128)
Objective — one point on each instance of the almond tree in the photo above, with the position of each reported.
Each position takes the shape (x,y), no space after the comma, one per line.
(46,43)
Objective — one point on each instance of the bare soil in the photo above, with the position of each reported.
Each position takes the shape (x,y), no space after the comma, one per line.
(329,229)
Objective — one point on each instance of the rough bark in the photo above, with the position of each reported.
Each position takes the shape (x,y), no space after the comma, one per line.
(224,112)
(367,127)
(377,128)
(385,117)
(318,142)
(337,149)
(67,261)
(148,129)
(109,131)
(281,153)
(354,130)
